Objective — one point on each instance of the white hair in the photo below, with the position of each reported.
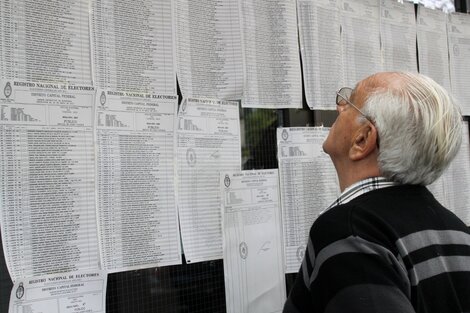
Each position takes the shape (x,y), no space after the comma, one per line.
(419,128)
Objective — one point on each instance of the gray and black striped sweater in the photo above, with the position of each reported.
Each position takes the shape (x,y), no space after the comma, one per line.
(394,249)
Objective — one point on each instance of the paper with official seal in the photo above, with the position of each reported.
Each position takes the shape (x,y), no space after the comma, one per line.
(135,186)
(308,184)
(74,292)
(253,258)
(208,141)
(47,178)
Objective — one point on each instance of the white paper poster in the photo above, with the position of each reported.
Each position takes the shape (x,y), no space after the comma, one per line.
(253,258)
(133,45)
(209,49)
(137,215)
(273,77)
(308,186)
(458,32)
(208,142)
(398,35)
(320,46)
(432,45)
(451,189)
(77,292)
(360,39)
(45,41)
(47,178)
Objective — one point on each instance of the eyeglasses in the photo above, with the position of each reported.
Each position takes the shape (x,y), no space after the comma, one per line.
(343,95)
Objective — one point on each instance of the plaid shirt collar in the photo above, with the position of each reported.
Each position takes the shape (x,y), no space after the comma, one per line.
(360,188)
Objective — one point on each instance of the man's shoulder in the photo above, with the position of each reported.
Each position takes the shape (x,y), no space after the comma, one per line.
(332,225)
(385,215)
(373,215)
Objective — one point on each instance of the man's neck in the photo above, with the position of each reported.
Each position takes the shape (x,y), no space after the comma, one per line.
(353,175)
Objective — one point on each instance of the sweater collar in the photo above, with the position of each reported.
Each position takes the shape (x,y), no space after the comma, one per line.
(361,187)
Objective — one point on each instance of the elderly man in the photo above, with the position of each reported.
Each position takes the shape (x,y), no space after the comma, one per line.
(386,244)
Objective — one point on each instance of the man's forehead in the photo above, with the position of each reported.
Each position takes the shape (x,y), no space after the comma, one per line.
(388,80)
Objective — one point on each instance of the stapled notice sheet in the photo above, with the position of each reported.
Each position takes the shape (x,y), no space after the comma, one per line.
(47,178)
(209,49)
(308,186)
(451,189)
(433,54)
(320,46)
(45,42)
(208,141)
(253,258)
(360,39)
(272,64)
(137,215)
(133,45)
(74,292)
(458,36)
(398,36)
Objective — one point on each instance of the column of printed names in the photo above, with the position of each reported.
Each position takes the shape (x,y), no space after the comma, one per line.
(47,178)
(308,186)
(138,223)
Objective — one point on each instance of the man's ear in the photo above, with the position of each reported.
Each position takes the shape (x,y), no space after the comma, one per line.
(364,142)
